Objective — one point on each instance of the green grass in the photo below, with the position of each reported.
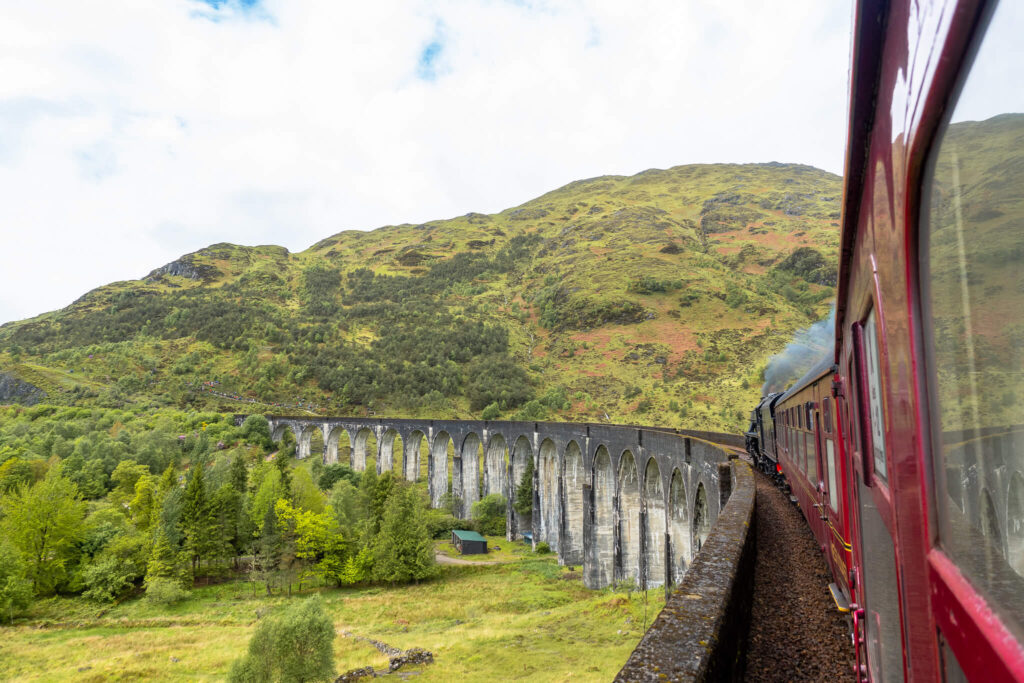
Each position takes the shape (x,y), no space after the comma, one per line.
(498,550)
(526,620)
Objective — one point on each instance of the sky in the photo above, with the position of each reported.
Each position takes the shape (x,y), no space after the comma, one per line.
(132,133)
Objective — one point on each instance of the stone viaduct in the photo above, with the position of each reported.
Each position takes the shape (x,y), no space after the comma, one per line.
(630,504)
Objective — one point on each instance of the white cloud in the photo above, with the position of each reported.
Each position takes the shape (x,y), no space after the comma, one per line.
(131,133)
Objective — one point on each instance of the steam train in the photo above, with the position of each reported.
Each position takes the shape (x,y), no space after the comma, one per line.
(904,447)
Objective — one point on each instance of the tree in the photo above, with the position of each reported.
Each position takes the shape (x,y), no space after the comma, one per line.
(267,558)
(43,522)
(15,587)
(319,545)
(256,430)
(269,492)
(376,491)
(490,512)
(15,472)
(125,476)
(305,493)
(142,506)
(230,522)
(166,563)
(523,502)
(295,647)
(285,471)
(239,474)
(491,412)
(348,504)
(402,549)
(197,524)
(334,473)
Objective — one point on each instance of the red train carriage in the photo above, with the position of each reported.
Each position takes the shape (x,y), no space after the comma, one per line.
(810,450)
(930,338)
(907,455)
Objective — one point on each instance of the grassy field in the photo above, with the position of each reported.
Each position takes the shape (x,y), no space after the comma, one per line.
(527,619)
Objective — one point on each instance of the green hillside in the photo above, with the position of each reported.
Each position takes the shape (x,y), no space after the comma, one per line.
(652,298)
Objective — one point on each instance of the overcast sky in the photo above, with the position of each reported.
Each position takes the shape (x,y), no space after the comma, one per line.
(134,132)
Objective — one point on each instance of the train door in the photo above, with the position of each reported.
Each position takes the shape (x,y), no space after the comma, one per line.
(878,621)
(833,482)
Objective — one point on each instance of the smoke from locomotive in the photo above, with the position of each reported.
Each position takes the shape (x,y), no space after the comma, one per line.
(809,346)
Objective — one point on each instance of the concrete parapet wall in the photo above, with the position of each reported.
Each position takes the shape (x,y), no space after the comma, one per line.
(700,635)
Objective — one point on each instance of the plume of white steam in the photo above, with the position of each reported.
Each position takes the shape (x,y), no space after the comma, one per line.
(808,347)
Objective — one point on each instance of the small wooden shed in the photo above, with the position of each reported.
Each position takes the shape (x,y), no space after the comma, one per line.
(469,542)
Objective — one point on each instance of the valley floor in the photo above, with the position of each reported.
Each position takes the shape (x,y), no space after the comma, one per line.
(523,619)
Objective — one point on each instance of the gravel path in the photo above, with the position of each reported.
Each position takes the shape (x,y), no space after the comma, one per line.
(796,633)
(446,559)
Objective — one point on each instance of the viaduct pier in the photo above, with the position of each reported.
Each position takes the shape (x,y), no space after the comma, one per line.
(628,504)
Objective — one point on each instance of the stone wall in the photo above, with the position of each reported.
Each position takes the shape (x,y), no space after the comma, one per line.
(700,635)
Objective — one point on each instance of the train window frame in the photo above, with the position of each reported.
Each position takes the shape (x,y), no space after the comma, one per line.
(860,428)
(832,474)
(875,393)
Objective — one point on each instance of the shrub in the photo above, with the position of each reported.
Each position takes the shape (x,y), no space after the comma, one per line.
(335,472)
(256,430)
(489,514)
(543,548)
(440,524)
(491,412)
(15,588)
(161,591)
(296,646)
(107,579)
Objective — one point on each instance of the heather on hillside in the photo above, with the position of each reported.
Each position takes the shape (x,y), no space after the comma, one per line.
(652,298)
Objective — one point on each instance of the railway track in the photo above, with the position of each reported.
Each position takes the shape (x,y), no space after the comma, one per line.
(796,633)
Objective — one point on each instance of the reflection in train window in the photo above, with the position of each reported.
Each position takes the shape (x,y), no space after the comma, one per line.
(812,460)
(971,249)
(876,410)
(830,465)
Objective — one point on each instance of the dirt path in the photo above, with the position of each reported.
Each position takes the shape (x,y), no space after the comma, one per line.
(446,559)
(796,633)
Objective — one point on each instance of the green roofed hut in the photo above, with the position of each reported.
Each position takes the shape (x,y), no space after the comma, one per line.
(469,542)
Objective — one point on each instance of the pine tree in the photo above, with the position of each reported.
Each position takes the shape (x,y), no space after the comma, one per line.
(523,502)
(267,559)
(166,563)
(226,510)
(285,470)
(197,522)
(403,550)
(143,504)
(239,475)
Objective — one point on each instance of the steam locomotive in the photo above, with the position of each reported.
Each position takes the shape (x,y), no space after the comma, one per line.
(904,447)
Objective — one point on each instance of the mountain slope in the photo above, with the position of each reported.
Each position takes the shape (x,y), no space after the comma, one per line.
(655,297)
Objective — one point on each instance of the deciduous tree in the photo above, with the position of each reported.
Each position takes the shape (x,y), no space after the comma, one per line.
(43,522)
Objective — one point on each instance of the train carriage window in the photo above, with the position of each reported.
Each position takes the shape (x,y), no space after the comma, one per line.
(971,246)
(812,460)
(830,471)
(876,411)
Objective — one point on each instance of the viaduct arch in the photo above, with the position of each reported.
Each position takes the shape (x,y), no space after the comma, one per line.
(626,503)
